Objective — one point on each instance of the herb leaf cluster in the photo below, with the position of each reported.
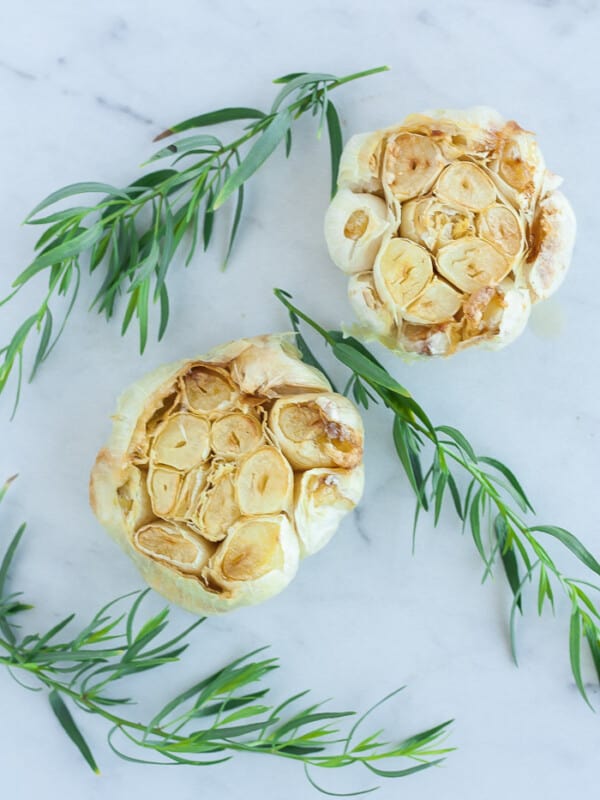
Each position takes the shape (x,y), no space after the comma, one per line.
(225,713)
(435,460)
(131,235)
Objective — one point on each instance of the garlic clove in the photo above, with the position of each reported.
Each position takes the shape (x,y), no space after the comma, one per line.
(219,508)
(354,227)
(360,164)
(499,225)
(318,431)
(181,442)
(208,389)
(402,271)
(471,263)
(174,545)
(432,223)
(552,242)
(235,434)
(163,486)
(322,497)
(264,482)
(368,305)
(465,185)
(411,165)
(259,557)
(438,303)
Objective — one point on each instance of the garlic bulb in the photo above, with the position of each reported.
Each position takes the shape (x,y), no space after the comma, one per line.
(222,472)
(451,227)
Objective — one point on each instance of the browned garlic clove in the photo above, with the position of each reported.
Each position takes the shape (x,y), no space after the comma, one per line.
(411,165)
(465,185)
(181,442)
(174,545)
(264,482)
(235,434)
(318,431)
(402,271)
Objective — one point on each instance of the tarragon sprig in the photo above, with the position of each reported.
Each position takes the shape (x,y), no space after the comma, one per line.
(220,715)
(132,234)
(492,506)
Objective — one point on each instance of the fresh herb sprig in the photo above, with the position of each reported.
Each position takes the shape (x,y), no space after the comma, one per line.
(492,505)
(132,234)
(218,716)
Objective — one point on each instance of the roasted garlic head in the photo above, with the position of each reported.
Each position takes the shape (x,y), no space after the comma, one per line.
(222,472)
(450,227)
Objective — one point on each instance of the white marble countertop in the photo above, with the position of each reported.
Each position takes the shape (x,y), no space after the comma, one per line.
(84,89)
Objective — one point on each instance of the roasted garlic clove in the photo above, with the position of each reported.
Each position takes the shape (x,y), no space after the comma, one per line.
(552,241)
(197,482)
(258,558)
(354,227)
(219,508)
(208,389)
(264,482)
(368,305)
(360,164)
(318,431)
(235,434)
(465,185)
(181,442)
(471,209)
(411,164)
(163,487)
(472,263)
(500,226)
(402,271)
(326,495)
(438,303)
(432,223)
(174,545)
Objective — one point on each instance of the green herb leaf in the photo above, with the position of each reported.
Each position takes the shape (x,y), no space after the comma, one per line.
(70,728)
(257,155)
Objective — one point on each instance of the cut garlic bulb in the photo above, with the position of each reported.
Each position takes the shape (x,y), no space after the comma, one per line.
(358,223)
(199,480)
(471,212)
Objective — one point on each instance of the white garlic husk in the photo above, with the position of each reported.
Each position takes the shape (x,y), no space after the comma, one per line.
(202,481)
(473,233)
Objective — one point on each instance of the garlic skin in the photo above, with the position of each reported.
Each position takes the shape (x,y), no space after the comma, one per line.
(223,471)
(473,233)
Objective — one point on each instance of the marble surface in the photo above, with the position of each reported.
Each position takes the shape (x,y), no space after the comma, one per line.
(84,88)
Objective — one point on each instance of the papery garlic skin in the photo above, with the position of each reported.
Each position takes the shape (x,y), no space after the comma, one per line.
(202,488)
(473,233)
